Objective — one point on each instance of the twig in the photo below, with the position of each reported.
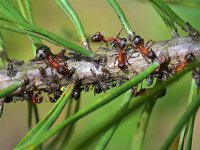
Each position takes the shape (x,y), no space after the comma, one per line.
(176,49)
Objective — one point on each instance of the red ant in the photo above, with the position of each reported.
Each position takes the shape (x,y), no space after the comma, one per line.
(138,43)
(121,58)
(189,57)
(43,52)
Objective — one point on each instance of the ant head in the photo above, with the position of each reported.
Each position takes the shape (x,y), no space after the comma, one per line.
(122,43)
(97,37)
(137,40)
(43,52)
(189,57)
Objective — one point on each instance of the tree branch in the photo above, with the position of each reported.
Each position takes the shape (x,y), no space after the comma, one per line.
(175,49)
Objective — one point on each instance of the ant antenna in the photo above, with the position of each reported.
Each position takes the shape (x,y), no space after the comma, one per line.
(119,32)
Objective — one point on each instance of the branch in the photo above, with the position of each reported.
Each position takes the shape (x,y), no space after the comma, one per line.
(175,49)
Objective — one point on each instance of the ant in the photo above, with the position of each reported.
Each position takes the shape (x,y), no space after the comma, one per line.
(121,58)
(138,43)
(114,41)
(43,52)
(189,57)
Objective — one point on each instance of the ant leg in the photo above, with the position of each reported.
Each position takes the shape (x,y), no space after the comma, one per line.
(129,57)
(151,44)
(146,59)
(127,60)
(119,32)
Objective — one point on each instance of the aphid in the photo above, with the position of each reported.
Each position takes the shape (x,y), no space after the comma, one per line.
(150,79)
(75,56)
(77,90)
(36,98)
(98,86)
(196,75)
(27,95)
(189,57)
(144,91)
(106,72)
(57,93)
(43,72)
(8,99)
(86,87)
(10,70)
(138,43)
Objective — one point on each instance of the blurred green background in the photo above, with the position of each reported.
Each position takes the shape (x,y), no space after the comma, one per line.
(98,16)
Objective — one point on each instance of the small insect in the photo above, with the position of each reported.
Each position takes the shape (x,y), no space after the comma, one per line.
(144,91)
(8,99)
(11,72)
(75,56)
(27,95)
(106,72)
(43,72)
(77,90)
(189,57)
(196,75)
(36,98)
(86,87)
(57,93)
(138,43)
(150,79)
(98,85)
